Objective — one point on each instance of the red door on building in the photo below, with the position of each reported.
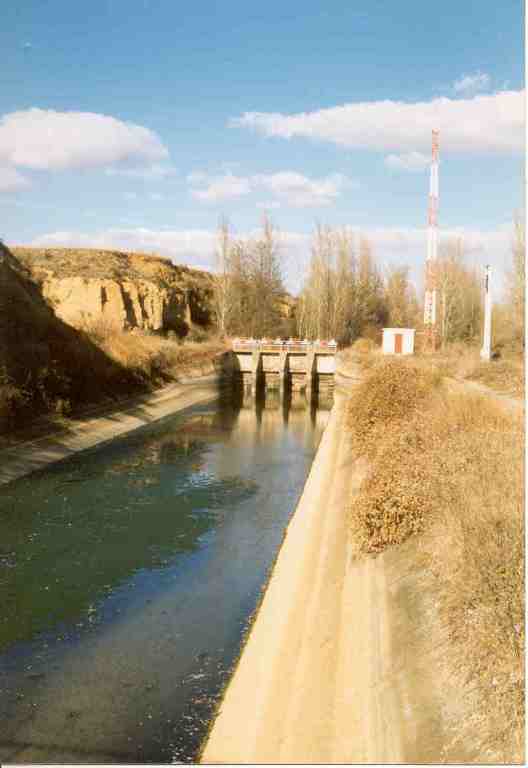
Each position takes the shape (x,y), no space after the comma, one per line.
(398,343)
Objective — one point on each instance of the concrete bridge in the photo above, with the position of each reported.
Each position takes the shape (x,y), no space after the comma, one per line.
(302,366)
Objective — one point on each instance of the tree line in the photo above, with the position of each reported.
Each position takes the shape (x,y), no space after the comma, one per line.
(345,295)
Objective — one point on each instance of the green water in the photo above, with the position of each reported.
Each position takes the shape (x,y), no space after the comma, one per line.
(129,574)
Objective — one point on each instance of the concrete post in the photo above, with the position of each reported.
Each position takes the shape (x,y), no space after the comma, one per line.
(310,365)
(283,372)
(485,352)
(255,368)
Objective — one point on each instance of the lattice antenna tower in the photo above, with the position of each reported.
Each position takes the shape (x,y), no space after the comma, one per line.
(430,302)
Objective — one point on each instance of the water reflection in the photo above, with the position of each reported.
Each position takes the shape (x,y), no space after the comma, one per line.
(129,574)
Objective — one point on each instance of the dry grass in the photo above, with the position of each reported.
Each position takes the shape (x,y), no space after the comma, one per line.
(155,358)
(451,468)
(109,264)
(476,543)
(363,346)
(504,373)
(389,394)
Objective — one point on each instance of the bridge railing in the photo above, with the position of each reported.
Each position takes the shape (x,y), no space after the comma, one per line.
(289,345)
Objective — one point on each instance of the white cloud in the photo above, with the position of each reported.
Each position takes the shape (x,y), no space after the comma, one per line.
(300,191)
(47,140)
(155,172)
(268,205)
(219,188)
(288,186)
(11,179)
(485,123)
(480,81)
(410,161)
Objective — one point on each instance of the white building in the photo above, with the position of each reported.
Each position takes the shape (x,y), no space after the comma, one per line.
(398,341)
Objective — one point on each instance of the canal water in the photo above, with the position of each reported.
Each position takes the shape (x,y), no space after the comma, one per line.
(129,575)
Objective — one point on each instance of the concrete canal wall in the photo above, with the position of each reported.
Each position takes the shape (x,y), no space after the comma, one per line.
(340,664)
(28,456)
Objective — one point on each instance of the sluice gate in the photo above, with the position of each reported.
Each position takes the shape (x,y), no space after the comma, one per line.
(296,366)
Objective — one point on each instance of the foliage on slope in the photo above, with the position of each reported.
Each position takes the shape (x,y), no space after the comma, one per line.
(450,468)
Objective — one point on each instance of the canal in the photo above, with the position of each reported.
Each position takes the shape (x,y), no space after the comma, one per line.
(129,575)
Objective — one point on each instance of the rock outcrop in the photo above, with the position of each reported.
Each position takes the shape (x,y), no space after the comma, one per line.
(124,290)
(46,364)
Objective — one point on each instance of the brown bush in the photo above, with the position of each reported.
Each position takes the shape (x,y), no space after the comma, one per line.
(153,357)
(363,346)
(452,469)
(503,375)
(390,392)
(477,549)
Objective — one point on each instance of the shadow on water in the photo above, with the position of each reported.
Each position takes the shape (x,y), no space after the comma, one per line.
(129,574)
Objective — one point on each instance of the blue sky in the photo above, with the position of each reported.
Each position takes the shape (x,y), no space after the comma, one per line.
(137,124)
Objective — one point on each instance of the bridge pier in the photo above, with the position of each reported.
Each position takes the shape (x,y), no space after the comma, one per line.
(301,366)
(310,360)
(283,372)
(256,366)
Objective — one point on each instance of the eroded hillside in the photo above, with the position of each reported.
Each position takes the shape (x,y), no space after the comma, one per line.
(44,362)
(126,290)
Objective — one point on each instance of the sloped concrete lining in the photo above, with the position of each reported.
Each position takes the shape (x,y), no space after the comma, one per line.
(279,706)
(341,664)
(23,458)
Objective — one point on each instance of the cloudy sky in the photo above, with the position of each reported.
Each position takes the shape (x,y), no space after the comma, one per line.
(137,123)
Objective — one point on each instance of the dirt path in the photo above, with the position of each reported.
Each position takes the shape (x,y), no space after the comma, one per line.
(465,385)
(30,455)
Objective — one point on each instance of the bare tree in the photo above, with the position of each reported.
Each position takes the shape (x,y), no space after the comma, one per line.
(400,298)
(459,287)
(317,310)
(345,282)
(223,278)
(341,294)
(516,280)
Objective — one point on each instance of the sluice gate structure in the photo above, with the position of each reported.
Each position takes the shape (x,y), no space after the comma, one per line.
(285,366)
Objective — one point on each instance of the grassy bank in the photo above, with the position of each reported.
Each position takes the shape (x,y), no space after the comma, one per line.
(95,366)
(449,469)
(504,373)
(155,359)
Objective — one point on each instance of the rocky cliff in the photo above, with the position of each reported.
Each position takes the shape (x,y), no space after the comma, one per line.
(46,365)
(125,290)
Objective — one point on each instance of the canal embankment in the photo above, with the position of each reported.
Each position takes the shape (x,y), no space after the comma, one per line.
(359,652)
(321,678)
(33,454)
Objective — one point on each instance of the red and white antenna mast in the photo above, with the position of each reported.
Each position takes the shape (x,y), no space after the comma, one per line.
(430,309)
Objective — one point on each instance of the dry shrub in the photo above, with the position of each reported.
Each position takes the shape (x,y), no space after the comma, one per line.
(390,393)
(153,357)
(477,548)
(503,375)
(363,346)
(453,468)
(350,360)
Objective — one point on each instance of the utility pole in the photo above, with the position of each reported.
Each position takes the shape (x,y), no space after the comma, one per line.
(430,299)
(485,352)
